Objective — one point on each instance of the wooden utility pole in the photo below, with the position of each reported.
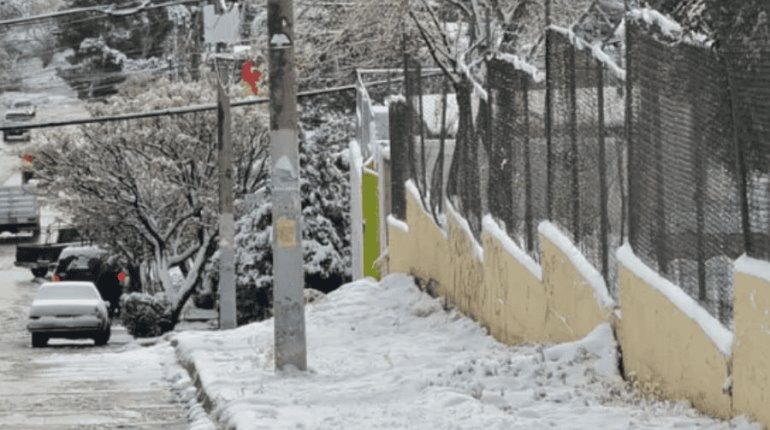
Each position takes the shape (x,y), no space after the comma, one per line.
(288,272)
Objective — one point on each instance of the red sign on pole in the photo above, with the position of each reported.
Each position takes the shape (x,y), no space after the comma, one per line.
(250,76)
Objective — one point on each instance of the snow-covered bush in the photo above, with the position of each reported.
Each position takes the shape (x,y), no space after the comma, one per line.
(146,315)
(325,192)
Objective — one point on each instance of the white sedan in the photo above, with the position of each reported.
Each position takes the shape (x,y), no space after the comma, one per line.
(70,310)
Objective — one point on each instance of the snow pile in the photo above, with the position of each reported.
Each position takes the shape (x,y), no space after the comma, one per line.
(386,356)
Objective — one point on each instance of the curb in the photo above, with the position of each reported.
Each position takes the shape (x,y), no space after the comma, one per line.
(202,397)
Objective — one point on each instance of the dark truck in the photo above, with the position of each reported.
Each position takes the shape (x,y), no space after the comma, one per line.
(41,257)
(93,264)
(19,211)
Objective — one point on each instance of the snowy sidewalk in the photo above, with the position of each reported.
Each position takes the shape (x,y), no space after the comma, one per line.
(386,356)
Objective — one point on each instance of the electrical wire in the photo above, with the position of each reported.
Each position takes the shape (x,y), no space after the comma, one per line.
(110,10)
(193,108)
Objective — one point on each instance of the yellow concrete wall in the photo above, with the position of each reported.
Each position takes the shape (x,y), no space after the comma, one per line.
(751,352)
(516,298)
(429,244)
(466,288)
(666,350)
(664,347)
(491,285)
(574,306)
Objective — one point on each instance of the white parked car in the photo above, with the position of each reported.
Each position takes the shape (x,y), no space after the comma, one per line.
(21,111)
(70,310)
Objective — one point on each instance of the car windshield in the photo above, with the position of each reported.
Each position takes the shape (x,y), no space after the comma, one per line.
(66,292)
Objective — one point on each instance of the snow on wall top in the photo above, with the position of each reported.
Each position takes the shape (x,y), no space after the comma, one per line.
(412,189)
(719,335)
(589,272)
(751,266)
(596,50)
(478,250)
(397,223)
(523,65)
(490,226)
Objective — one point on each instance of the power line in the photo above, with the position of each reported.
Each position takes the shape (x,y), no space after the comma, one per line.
(192,108)
(110,10)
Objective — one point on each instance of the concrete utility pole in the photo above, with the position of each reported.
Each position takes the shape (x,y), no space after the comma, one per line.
(288,271)
(227,309)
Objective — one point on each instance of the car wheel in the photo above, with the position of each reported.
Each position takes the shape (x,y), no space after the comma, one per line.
(39,273)
(103,337)
(39,340)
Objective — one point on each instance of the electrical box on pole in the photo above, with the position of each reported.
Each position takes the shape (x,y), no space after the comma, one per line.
(288,272)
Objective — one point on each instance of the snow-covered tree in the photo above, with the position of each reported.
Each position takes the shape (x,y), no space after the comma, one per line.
(732,24)
(23,40)
(148,187)
(325,217)
(335,38)
(103,47)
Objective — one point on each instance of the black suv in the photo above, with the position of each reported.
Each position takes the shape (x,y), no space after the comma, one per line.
(93,264)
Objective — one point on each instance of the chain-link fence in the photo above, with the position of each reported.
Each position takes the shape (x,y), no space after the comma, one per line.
(748,73)
(671,152)
(586,147)
(517,150)
(423,127)
(685,205)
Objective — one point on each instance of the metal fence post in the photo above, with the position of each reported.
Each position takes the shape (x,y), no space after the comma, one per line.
(528,217)
(603,200)
(628,212)
(399,159)
(548,112)
(574,144)
(740,159)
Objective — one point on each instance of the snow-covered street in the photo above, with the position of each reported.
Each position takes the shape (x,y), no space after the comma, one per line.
(72,384)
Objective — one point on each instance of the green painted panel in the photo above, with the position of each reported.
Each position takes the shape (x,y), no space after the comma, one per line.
(371,223)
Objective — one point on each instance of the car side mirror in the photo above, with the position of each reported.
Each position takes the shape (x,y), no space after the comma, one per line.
(107,303)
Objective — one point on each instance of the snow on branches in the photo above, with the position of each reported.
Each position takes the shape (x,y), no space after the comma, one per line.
(148,187)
